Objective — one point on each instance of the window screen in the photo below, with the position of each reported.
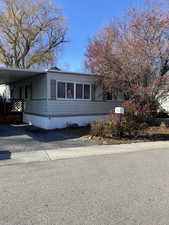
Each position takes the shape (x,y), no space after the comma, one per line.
(108,96)
(70,90)
(12,93)
(79,91)
(53,89)
(86,91)
(61,90)
(26,92)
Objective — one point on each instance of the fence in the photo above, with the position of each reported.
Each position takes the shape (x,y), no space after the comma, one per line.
(11,110)
(12,105)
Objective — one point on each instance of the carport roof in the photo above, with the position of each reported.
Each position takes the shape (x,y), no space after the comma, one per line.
(9,75)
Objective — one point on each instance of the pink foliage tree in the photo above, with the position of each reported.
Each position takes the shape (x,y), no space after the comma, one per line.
(133,55)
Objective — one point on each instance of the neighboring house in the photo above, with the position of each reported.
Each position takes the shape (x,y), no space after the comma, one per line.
(56,99)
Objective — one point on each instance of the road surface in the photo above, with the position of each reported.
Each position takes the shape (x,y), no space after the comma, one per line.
(118,189)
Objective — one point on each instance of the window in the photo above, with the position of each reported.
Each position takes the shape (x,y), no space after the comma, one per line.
(26,92)
(79,91)
(116,95)
(20,92)
(53,89)
(70,90)
(12,93)
(108,96)
(86,91)
(61,90)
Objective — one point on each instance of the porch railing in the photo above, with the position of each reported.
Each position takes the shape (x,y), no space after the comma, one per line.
(11,106)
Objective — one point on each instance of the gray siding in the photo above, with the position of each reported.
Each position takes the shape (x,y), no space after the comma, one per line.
(42,104)
(38,107)
(36,104)
(66,107)
(39,87)
(38,84)
(69,78)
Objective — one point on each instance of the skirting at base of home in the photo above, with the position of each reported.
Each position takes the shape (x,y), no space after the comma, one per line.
(49,123)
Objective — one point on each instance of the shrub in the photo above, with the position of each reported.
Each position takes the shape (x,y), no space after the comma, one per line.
(135,119)
(97,128)
(132,123)
(106,128)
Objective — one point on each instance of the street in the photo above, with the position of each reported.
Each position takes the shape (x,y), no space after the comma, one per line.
(123,189)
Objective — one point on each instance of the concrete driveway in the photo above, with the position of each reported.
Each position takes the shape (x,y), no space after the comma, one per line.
(20,138)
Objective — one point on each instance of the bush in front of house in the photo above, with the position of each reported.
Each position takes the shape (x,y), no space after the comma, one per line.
(135,119)
(105,128)
(132,124)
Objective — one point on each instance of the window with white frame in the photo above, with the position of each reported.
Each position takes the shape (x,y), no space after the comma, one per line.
(79,91)
(74,91)
(86,91)
(61,90)
(70,90)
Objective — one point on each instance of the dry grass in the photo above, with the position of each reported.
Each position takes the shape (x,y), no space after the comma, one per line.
(157,133)
(153,133)
(76,132)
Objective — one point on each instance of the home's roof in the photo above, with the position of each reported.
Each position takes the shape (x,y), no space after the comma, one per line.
(9,75)
(72,73)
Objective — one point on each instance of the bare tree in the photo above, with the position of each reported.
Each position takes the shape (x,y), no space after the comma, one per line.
(31,32)
(133,55)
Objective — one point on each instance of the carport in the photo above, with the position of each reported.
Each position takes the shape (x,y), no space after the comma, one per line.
(11,75)
(11,108)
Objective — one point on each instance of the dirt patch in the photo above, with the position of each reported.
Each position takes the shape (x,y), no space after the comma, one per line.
(153,133)
(157,133)
(78,132)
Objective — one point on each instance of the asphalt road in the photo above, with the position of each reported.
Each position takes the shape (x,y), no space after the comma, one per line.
(123,189)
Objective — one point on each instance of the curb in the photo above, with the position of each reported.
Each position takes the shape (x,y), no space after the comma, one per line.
(7,158)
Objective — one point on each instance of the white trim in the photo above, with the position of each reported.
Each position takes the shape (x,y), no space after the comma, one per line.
(73,99)
(50,123)
(82,91)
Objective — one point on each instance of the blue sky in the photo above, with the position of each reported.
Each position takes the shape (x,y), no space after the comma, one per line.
(84,18)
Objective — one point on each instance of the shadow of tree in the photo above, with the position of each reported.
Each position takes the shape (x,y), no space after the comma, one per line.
(38,134)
